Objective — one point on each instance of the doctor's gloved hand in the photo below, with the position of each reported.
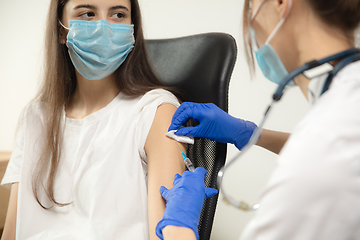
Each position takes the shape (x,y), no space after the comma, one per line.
(184,201)
(214,124)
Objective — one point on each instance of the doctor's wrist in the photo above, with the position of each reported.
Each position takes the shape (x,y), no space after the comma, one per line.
(243,131)
(272,140)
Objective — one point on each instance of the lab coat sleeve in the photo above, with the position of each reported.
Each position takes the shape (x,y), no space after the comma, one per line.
(311,195)
(314,191)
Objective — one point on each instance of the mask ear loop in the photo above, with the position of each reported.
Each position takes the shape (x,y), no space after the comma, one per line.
(254,44)
(279,24)
(252,31)
(63,25)
(64,28)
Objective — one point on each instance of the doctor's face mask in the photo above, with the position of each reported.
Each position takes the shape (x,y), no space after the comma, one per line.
(98,48)
(268,60)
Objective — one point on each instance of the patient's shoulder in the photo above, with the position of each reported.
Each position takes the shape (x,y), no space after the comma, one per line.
(159,97)
(34,109)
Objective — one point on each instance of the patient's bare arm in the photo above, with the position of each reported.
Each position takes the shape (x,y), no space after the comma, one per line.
(164,161)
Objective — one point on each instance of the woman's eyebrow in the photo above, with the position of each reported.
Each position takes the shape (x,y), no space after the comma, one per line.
(85,6)
(95,8)
(119,7)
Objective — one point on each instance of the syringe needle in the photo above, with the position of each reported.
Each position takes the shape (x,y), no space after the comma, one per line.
(177,144)
(187,161)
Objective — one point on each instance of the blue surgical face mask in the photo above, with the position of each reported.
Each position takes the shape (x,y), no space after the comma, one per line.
(268,60)
(98,48)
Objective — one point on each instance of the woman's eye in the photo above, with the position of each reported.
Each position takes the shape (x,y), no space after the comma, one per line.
(118,15)
(88,15)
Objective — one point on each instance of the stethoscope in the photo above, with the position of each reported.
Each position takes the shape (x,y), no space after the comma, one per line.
(310,70)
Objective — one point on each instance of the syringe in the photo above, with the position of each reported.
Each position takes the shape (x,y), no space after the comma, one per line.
(187,161)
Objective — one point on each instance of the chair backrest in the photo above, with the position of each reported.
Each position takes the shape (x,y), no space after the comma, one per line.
(201,66)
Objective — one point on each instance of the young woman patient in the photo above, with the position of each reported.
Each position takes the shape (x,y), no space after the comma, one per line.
(91,151)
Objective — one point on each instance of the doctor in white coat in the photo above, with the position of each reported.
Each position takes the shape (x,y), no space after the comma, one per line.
(314,191)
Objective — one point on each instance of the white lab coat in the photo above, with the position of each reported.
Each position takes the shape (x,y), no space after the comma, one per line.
(314,191)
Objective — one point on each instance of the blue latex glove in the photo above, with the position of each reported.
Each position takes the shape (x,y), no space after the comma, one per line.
(184,201)
(215,124)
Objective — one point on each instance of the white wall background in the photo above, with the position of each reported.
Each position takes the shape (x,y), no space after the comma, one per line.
(22,26)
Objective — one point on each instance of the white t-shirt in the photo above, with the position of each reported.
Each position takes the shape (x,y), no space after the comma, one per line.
(102,172)
(314,191)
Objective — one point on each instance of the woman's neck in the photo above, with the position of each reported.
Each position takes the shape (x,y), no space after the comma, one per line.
(315,41)
(91,96)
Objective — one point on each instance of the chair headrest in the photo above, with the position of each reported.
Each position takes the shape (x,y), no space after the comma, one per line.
(201,65)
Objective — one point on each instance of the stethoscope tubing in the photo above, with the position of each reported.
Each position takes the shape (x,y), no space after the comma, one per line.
(253,139)
(347,57)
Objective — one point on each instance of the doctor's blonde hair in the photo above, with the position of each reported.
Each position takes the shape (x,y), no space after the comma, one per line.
(135,77)
(343,15)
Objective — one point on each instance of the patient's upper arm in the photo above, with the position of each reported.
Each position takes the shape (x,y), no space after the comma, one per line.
(10,223)
(164,161)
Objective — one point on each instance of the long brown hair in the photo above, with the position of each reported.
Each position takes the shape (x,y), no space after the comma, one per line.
(134,77)
(340,14)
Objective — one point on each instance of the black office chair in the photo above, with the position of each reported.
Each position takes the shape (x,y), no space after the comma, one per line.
(201,66)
